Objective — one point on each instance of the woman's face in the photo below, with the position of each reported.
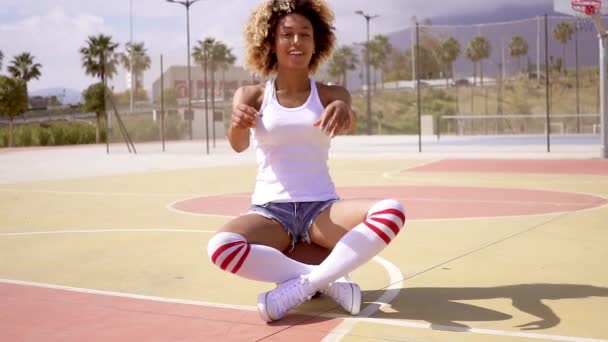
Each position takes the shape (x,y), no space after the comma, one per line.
(294,42)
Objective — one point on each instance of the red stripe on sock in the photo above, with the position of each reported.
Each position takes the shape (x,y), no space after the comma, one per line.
(395,212)
(221,250)
(378,231)
(392,225)
(242,260)
(230,257)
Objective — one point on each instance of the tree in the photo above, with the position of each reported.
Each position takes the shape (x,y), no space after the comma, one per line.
(449,50)
(478,50)
(203,54)
(141,62)
(94,101)
(1,58)
(23,67)
(379,51)
(12,101)
(99,60)
(563,33)
(224,59)
(343,60)
(398,66)
(518,47)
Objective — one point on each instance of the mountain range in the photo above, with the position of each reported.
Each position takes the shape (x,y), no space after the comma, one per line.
(499,27)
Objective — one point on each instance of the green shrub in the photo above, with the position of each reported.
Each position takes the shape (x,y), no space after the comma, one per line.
(58,134)
(4,137)
(24,136)
(44,137)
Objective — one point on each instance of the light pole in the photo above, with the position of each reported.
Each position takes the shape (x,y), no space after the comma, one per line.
(367,80)
(187,3)
(131,96)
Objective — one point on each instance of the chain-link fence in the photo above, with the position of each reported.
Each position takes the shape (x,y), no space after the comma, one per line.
(516,77)
(533,76)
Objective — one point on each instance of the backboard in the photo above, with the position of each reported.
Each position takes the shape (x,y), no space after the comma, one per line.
(565,7)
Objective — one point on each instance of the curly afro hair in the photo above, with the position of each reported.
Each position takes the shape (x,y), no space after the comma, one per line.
(261,27)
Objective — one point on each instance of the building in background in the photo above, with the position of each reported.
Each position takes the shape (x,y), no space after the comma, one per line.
(226,82)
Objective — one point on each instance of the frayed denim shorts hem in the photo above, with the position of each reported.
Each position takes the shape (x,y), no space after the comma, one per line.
(295,217)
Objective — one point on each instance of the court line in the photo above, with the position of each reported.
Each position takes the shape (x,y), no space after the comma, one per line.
(350,320)
(396,279)
(395,276)
(171,208)
(96,193)
(50,232)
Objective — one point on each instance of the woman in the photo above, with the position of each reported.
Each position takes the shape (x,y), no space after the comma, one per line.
(291,120)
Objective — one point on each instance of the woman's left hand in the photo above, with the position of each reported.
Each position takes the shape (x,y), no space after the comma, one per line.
(335,119)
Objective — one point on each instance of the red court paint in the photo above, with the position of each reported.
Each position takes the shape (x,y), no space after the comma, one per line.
(430,202)
(565,167)
(30,313)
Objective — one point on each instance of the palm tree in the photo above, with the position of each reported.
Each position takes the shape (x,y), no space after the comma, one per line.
(449,50)
(563,33)
(12,101)
(473,56)
(224,59)
(343,60)
(203,54)
(23,67)
(99,57)
(99,60)
(478,50)
(518,47)
(141,62)
(379,48)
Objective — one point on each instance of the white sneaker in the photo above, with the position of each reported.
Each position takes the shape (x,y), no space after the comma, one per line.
(346,293)
(274,305)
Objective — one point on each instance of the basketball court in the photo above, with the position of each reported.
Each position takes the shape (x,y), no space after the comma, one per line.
(497,247)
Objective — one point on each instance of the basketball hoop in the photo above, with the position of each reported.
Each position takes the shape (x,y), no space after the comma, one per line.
(587,7)
(591,10)
(588,13)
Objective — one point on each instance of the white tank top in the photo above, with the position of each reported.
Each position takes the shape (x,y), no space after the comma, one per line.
(291,153)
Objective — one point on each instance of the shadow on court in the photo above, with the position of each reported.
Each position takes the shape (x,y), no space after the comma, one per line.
(439,306)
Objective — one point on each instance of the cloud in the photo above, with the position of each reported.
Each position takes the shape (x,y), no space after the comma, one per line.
(54,40)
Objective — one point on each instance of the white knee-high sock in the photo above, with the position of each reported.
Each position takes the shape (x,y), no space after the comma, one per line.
(232,253)
(358,246)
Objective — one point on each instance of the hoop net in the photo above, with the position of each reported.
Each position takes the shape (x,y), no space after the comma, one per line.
(587,7)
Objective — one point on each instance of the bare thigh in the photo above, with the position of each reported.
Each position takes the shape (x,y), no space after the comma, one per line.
(259,230)
(335,221)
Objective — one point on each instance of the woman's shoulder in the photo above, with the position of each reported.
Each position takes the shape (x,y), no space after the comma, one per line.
(252,95)
(332,92)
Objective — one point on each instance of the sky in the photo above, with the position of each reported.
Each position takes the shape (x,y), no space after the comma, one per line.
(54,30)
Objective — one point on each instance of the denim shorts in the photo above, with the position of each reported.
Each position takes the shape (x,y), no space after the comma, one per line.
(295,217)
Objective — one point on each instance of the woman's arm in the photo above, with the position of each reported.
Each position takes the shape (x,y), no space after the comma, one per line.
(245,102)
(338,118)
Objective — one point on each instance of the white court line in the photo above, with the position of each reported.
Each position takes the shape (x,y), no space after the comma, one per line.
(51,232)
(96,193)
(171,206)
(395,277)
(349,321)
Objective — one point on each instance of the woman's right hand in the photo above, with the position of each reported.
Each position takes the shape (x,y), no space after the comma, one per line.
(244,116)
